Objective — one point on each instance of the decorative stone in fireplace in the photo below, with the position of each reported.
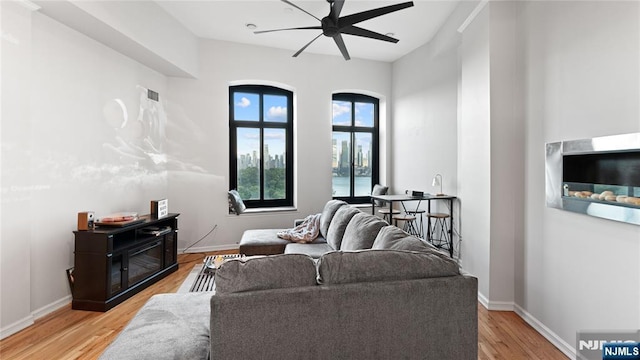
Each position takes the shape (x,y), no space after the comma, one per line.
(598,177)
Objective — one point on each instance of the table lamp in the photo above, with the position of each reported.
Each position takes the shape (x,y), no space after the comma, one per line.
(437,181)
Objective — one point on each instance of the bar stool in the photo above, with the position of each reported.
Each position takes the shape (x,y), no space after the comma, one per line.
(439,227)
(387,214)
(419,224)
(409,223)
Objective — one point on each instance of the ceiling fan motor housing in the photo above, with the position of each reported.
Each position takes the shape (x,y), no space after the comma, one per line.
(329,27)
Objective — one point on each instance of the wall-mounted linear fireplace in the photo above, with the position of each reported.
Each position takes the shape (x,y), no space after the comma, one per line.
(598,177)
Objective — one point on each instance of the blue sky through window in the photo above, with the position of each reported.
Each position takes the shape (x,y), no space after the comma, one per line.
(247,108)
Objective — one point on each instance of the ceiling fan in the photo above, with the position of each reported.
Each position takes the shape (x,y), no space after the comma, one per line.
(334,26)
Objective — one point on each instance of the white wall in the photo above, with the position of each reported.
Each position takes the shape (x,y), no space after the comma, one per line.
(424,109)
(582,79)
(201,145)
(424,130)
(474,156)
(68,150)
(15,130)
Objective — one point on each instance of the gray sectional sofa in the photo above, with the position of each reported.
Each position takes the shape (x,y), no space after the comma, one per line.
(398,298)
(342,227)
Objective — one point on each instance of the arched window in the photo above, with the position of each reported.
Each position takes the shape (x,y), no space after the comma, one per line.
(261,145)
(355,160)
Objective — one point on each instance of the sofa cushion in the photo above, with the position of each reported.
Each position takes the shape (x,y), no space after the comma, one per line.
(262,242)
(269,272)
(340,267)
(393,238)
(361,232)
(338,225)
(315,250)
(168,326)
(388,236)
(327,214)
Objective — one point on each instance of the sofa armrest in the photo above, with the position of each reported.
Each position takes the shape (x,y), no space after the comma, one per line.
(168,326)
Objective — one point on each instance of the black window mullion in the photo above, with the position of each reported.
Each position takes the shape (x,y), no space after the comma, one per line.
(261,125)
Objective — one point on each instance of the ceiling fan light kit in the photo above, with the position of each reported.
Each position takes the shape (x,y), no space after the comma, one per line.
(334,26)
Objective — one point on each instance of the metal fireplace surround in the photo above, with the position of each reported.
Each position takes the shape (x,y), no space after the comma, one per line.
(598,177)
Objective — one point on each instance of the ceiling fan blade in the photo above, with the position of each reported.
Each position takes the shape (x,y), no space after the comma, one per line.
(341,46)
(370,14)
(299,8)
(358,31)
(336,9)
(296,28)
(304,47)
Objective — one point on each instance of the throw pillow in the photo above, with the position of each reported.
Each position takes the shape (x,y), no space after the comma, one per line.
(236,205)
(265,272)
(327,215)
(361,232)
(340,267)
(379,190)
(338,225)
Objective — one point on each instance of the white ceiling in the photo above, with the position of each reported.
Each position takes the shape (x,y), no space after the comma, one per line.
(226,20)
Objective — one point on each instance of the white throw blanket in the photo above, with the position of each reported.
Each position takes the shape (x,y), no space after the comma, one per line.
(306,232)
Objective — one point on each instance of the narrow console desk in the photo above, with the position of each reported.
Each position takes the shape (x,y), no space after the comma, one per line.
(402,198)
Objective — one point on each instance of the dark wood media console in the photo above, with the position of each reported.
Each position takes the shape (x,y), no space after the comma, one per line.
(114,263)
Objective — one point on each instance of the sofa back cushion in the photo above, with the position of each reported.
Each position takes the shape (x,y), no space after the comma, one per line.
(340,267)
(328,213)
(339,224)
(268,272)
(393,238)
(361,232)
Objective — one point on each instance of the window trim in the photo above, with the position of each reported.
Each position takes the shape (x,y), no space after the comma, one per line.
(353,98)
(262,90)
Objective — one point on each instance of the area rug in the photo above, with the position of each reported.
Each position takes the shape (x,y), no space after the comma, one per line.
(202,278)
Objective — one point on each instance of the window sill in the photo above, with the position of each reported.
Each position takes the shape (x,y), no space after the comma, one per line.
(267,210)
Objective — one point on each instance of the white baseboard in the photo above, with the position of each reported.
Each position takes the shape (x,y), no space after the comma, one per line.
(495,305)
(46,310)
(208,248)
(35,315)
(562,345)
(17,326)
(483,300)
(501,306)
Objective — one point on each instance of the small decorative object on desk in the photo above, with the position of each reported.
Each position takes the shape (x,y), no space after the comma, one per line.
(437,181)
(211,263)
(119,219)
(159,208)
(86,220)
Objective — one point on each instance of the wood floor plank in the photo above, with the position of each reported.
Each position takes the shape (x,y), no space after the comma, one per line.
(75,334)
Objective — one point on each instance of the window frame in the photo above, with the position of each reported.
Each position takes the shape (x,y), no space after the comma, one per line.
(261,125)
(352,129)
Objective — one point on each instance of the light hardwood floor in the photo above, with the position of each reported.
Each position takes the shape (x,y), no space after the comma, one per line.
(74,334)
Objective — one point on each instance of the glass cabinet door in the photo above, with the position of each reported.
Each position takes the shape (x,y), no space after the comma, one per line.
(117,274)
